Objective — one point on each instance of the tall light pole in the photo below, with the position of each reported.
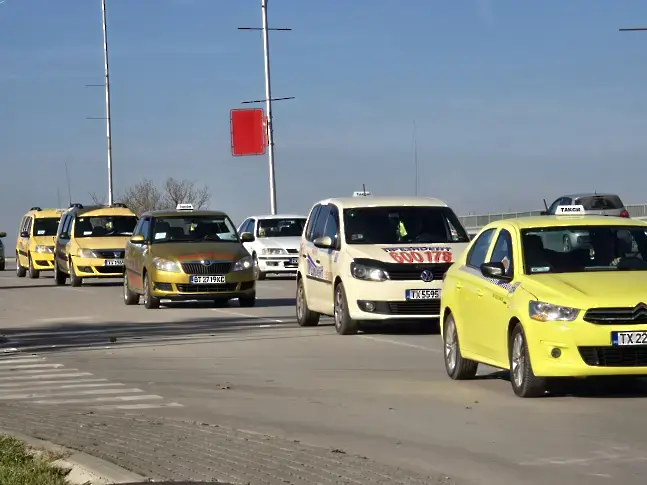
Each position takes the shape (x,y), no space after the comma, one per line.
(268,101)
(632,29)
(107,85)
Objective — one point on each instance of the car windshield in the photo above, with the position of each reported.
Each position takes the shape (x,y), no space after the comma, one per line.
(193,229)
(584,248)
(600,202)
(46,226)
(280,227)
(397,225)
(104,226)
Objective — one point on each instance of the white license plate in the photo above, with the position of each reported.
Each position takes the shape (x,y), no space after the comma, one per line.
(622,339)
(207,280)
(422,294)
(114,262)
(293,261)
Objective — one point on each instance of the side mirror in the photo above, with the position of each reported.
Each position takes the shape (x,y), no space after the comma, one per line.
(138,239)
(3,234)
(247,237)
(494,270)
(324,242)
(24,234)
(544,213)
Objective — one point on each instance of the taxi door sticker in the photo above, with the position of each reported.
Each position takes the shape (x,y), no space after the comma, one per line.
(421,254)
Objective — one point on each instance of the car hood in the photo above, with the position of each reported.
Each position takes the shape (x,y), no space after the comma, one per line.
(44,240)
(288,242)
(198,251)
(383,252)
(112,242)
(589,289)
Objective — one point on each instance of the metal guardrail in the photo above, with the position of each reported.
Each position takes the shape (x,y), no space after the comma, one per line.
(475,222)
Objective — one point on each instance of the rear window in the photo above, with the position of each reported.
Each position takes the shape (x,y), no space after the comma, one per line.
(600,202)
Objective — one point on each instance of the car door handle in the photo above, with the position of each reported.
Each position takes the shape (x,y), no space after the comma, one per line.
(479,293)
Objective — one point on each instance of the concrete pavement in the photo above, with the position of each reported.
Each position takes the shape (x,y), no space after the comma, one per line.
(89,370)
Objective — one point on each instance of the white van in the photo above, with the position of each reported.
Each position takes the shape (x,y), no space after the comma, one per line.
(375,259)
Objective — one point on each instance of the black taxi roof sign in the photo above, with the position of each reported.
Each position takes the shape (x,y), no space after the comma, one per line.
(569,209)
(184,207)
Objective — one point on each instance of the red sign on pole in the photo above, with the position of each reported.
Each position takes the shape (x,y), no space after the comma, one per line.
(248,132)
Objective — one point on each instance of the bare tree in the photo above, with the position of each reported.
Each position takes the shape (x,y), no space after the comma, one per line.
(184,191)
(143,196)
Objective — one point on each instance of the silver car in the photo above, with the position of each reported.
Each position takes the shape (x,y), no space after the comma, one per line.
(594,203)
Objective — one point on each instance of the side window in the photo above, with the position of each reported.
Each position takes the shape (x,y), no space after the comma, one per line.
(243,227)
(477,254)
(311,222)
(320,223)
(553,206)
(502,252)
(67,228)
(29,224)
(251,226)
(332,226)
(145,228)
(22,224)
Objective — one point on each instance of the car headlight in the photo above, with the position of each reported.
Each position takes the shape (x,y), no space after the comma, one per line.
(45,249)
(367,273)
(162,264)
(547,312)
(273,251)
(243,263)
(86,253)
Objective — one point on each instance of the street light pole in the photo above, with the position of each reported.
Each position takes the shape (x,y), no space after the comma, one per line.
(107,85)
(633,29)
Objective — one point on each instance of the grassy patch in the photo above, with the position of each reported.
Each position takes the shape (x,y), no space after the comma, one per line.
(19,465)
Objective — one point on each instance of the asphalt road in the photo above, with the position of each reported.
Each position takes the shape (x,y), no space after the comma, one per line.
(383,396)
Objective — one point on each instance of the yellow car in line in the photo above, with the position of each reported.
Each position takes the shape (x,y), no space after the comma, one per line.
(35,242)
(518,299)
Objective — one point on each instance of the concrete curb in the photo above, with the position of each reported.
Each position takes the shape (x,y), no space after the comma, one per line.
(83,469)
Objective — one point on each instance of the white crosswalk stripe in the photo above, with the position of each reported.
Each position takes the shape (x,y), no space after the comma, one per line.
(27,377)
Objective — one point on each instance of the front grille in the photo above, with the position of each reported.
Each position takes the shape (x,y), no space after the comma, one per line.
(207,288)
(109,269)
(402,272)
(109,253)
(617,316)
(426,307)
(614,356)
(292,251)
(217,268)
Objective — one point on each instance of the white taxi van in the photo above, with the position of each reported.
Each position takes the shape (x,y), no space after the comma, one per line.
(375,259)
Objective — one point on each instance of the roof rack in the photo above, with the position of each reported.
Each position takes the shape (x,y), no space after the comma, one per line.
(36,209)
(119,204)
(77,205)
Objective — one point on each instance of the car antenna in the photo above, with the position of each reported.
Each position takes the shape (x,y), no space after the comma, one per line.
(69,188)
(545,205)
(364,189)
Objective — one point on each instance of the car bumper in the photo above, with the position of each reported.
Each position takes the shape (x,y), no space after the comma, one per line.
(97,268)
(278,264)
(42,261)
(177,286)
(582,349)
(389,300)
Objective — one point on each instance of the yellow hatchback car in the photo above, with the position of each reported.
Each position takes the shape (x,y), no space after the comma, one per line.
(187,254)
(90,242)
(520,299)
(35,243)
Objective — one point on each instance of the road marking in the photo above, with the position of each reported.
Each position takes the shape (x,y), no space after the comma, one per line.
(45,376)
(35,386)
(98,399)
(246,315)
(66,319)
(20,361)
(402,344)
(55,369)
(70,393)
(10,368)
(139,406)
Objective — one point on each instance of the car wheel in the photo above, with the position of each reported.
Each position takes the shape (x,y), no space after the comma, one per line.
(523,380)
(458,367)
(74,279)
(150,302)
(247,301)
(59,276)
(2,266)
(258,274)
(305,317)
(130,297)
(33,272)
(344,324)
(20,271)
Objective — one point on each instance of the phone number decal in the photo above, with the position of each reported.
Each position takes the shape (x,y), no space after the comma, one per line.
(421,256)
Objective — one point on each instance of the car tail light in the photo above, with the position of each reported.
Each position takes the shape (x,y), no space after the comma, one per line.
(624,213)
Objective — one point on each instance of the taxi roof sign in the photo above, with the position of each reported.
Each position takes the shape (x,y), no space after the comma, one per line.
(184,207)
(569,209)
(361,193)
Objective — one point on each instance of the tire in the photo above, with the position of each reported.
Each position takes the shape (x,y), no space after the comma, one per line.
(33,272)
(2,266)
(221,302)
(344,324)
(305,317)
(130,298)
(458,367)
(20,271)
(75,280)
(59,276)
(150,302)
(258,274)
(247,301)
(523,380)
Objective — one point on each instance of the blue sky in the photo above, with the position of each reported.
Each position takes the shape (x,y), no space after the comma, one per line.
(514,101)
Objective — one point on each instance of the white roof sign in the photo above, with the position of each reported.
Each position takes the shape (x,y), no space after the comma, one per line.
(569,209)
(184,207)
(361,193)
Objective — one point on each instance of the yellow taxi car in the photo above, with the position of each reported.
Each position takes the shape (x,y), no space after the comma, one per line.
(188,254)
(35,242)
(90,242)
(518,299)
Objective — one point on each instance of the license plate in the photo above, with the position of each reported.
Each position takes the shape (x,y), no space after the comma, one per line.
(622,339)
(422,294)
(114,262)
(293,261)
(207,280)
